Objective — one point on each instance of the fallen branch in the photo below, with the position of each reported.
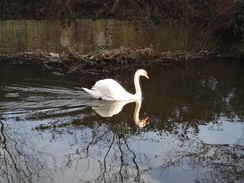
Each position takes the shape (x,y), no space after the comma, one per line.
(108,60)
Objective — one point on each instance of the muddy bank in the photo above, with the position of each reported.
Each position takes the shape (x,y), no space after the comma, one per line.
(110,60)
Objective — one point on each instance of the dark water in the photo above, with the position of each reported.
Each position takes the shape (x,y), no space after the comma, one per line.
(50,131)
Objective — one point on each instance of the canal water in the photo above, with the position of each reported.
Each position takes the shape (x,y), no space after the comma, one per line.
(189,126)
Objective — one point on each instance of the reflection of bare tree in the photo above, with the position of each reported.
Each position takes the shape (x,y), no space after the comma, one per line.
(6,157)
(123,152)
(119,159)
(103,153)
(16,166)
(110,152)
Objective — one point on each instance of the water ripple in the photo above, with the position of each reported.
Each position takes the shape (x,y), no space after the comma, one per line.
(29,102)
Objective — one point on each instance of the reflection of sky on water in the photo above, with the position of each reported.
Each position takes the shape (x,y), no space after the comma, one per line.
(223,132)
(97,154)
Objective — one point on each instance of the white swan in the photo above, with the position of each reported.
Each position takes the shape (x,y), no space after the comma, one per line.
(109,89)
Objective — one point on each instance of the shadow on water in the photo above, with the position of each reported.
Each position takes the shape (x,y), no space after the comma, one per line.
(51,131)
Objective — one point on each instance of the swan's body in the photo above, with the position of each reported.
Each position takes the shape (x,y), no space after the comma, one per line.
(109,89)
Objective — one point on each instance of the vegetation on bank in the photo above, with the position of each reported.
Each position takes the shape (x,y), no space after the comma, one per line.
(218,16)
(201,11)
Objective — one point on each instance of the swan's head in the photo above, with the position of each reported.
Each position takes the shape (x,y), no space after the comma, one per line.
(142,72)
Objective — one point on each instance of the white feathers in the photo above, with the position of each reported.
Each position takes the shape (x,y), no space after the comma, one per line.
(109,89)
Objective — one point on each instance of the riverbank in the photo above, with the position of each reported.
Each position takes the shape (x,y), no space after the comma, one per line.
(104,61)
(192,28)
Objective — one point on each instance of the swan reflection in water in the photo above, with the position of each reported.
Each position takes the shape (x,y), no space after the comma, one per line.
(107,108)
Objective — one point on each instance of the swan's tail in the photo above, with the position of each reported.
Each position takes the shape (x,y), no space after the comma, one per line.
(87,90)
(91,92)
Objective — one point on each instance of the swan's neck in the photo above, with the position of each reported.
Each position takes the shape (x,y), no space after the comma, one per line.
(137,110)
(137,86)
(142,122)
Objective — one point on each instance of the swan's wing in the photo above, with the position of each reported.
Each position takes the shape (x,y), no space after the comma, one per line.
(110,89)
